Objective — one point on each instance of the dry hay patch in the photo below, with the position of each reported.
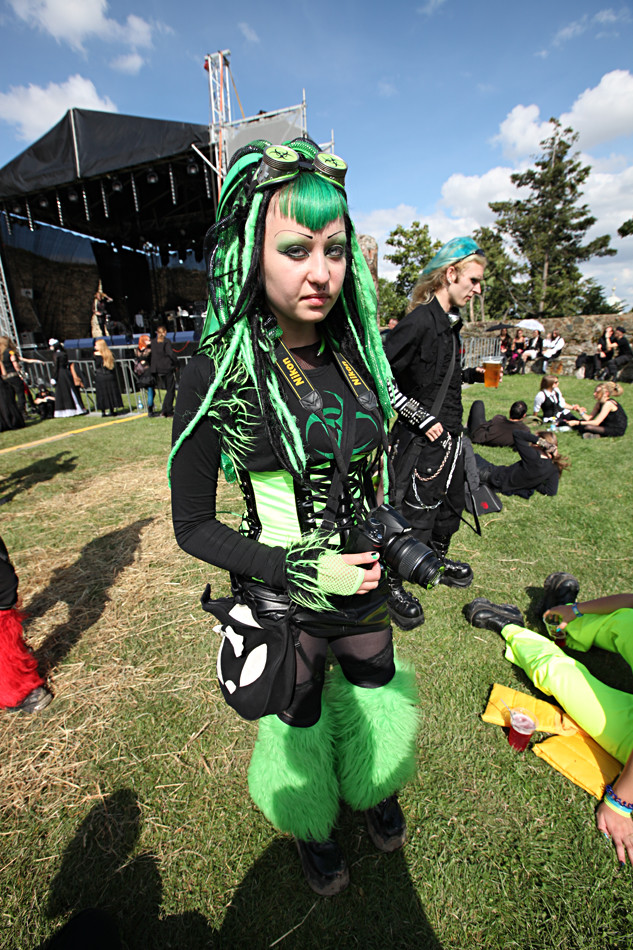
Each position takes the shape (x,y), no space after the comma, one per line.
(98,615)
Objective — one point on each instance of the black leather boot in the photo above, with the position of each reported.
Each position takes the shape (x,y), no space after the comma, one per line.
(456,573)
(324,866)
(404,608)
(559,588)
(484,614)
(386,824)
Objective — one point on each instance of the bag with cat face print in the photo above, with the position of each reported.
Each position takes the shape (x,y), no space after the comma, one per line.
(256,663)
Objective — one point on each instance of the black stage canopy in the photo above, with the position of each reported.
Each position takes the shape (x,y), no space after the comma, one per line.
(127,180)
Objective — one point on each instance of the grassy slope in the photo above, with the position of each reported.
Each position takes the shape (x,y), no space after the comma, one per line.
(130,790)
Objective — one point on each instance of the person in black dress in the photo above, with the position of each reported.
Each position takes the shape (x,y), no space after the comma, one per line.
(107,389)
(67,397)
(607,419)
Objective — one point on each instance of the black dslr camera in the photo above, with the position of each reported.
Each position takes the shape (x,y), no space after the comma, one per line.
(386,531)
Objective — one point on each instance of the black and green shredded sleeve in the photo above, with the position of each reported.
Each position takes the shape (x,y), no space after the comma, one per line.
(194,482)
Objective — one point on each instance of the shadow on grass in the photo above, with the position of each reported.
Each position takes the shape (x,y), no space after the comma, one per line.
(84,586)
(43,470)
(380,908)
(97,872)
(103,888)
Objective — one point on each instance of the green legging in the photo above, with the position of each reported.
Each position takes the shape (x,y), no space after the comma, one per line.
(603,712)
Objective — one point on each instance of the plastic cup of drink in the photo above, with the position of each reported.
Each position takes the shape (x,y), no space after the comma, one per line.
(522,728)
(492,373)
(559,638)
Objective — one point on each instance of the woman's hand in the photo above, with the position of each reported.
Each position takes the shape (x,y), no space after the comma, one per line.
(619,828)
(434,432)
(563,611)
(372,575)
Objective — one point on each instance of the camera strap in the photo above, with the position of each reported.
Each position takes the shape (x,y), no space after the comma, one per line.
(311,399)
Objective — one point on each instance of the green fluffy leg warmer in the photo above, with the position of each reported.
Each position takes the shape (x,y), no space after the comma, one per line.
(375,736)
(292,778)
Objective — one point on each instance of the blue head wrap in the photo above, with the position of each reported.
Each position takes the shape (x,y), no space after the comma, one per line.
(455,250)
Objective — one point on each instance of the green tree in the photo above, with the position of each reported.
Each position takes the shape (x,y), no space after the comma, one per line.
(413,248)
(626,228)
(594,300)
(502,298)
(391,304)
(547,227)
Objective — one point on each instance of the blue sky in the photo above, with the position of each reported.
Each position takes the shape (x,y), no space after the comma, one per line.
(433,104)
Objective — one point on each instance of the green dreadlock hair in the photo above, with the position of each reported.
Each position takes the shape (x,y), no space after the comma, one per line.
(239,334)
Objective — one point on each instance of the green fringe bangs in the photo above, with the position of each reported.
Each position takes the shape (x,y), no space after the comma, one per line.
(312,202)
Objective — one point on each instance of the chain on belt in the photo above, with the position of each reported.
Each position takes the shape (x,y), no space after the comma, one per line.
(416,477)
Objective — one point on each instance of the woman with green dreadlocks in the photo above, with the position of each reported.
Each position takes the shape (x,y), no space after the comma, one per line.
(289,394)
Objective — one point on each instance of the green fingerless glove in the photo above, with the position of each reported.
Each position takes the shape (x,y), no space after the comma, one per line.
(336,576)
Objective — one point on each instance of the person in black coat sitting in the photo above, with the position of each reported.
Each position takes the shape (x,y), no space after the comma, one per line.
(538,469)
(499,430)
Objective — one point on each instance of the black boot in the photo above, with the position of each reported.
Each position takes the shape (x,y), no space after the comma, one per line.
(386,824)
(488,616)
(404,608)
(559,588)
(324,866)
(456,573)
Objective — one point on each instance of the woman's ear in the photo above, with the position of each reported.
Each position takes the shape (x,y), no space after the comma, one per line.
(451,274)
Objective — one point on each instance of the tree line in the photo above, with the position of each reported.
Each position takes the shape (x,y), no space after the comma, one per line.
(534,248)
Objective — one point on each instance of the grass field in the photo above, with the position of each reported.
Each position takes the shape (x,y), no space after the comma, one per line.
(129,791)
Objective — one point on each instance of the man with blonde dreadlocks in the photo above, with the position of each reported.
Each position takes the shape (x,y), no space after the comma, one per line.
(424,353)
(290,395)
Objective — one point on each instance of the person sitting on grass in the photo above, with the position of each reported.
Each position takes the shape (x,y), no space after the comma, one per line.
(499,430)
(549,400)
(603,712)
(607,419)
(538,469)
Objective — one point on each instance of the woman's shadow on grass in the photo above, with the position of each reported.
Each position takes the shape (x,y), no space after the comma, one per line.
(380,908)
(44,470)
(84,586)
(107,890)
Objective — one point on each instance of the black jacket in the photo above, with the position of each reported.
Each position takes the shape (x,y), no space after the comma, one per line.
(419,350)
(532,473)
(163,357)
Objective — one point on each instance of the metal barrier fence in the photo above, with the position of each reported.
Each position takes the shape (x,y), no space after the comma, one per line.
(131,392)
(476,349)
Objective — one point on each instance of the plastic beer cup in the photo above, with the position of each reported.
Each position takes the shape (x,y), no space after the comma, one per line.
(522,728)
(492,373)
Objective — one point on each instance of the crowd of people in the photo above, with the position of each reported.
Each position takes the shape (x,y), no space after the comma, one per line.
(70,392)
(291,394)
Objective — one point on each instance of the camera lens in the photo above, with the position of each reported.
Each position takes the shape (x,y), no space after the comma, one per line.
(413,561)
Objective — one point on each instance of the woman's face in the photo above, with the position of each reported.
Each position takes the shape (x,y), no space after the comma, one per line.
(302,270)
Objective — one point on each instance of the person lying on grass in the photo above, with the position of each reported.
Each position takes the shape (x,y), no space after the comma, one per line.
(604,713)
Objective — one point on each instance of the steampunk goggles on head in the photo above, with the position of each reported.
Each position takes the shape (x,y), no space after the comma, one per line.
(281,163)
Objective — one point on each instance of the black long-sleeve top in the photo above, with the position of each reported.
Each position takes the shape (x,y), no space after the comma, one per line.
(532,473)
(195,469)
(419,350)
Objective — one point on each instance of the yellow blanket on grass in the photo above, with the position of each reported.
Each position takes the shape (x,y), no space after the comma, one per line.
(569,749)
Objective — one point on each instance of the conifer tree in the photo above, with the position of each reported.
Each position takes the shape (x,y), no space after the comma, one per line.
(548,225)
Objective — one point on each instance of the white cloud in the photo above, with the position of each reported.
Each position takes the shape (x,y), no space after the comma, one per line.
(602,18)
(131,63)
(431,7)
(468,196)
(75,21)
(34,109)
(571,31)
(386,89)
(248,33)
(604,112)
(520,133)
